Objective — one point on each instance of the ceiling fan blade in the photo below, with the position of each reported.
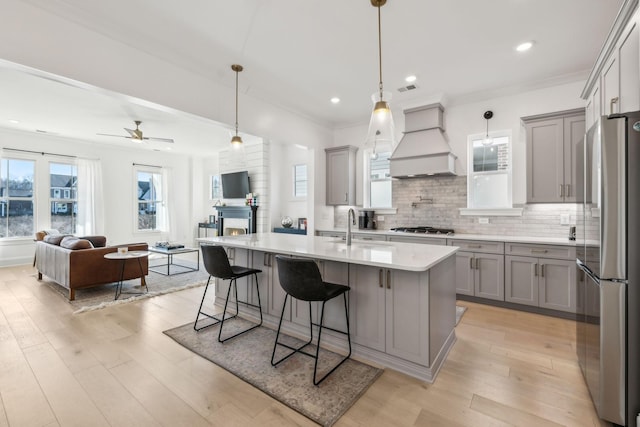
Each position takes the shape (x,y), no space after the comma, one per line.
(151,138)
(133,133)
(108,134)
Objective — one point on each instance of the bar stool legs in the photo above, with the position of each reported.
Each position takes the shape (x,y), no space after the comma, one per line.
(224,317)
(300,349)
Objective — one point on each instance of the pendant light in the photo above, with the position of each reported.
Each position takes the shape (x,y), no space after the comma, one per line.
(487,139)
(381,134)
(236,141)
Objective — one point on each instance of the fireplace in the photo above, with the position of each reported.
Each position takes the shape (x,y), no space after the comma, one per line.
(231,231)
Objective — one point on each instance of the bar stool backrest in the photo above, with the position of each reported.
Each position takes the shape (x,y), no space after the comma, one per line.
(301,279)
(216,261)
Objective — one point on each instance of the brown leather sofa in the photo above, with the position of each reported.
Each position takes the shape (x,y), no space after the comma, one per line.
(77,263)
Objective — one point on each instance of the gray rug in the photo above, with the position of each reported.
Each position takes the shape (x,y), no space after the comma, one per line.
(98,297)
(248,357)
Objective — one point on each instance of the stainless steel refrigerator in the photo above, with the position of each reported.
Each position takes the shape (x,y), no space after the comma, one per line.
(608,333)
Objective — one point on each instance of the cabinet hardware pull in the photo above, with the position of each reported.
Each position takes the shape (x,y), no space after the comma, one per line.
(568,190)
(541,270)
(613,101)
(388,279)
(477,263)
(561,190)
(474,246)
(265,261)
(538,251)
(581,275)
(367,238)
(346,196)
(380,278)
(535,270)
(471,263)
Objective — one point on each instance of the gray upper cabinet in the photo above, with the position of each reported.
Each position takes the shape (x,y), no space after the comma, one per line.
(553,142)
(341,175)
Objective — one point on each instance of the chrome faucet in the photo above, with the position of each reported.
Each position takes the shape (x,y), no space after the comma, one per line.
(350,214)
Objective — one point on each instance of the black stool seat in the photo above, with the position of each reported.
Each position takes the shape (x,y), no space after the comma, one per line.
(216,262)
(301,279)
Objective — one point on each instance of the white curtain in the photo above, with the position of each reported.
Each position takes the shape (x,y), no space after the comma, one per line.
(163,213)
(90,218)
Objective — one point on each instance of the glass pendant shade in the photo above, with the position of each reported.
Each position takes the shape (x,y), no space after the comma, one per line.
(236,140)
(381,136)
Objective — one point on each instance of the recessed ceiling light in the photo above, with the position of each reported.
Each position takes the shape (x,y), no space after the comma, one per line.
(14,121)
(410,79)
(522,47)
(335,100)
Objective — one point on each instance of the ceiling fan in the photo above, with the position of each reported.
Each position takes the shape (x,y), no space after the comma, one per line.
(136,134)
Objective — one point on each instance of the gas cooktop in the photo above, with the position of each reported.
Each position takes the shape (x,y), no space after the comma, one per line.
(424,230)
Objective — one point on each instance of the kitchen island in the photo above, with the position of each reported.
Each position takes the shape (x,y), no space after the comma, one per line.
(401,303)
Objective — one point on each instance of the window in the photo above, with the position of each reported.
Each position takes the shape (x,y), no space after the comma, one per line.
(489,177)
(300,181)
(379,179)
(150,200)
(216,187)
(63,197)
(16,198)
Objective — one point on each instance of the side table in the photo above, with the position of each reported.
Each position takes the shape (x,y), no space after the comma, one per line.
(123,258)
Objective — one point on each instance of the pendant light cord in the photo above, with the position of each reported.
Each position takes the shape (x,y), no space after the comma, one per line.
(237,102)
(380,49)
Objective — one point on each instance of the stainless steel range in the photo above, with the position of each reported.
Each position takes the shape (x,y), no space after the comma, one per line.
(424,230)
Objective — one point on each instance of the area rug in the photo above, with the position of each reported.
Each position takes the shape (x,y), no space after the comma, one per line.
(98,297)
(248,357)
(459,312)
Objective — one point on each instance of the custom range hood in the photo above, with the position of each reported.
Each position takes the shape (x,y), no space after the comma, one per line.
(423,150)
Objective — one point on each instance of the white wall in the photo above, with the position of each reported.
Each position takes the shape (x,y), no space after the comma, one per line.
(467,119)
(284,158)
(119,190)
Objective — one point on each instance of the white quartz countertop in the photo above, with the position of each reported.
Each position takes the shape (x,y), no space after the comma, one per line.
(401,256)
(460,236)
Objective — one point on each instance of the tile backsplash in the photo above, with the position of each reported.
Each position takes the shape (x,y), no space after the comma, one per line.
(436,202)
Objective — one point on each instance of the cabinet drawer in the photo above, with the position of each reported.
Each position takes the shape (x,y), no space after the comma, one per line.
(369,236)
(541,251)
(478,246)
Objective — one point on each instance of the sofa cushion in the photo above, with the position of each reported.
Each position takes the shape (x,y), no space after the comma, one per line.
(70,242)
(54,239)
(96,241)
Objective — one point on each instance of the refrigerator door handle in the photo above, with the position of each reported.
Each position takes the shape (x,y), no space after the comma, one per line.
(586,270)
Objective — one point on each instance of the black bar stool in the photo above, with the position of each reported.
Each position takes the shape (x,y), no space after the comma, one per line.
(300,279)
(216,262)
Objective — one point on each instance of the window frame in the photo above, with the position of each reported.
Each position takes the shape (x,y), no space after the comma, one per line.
(471,174)
(62,195)
(295,181)
(367,180)
(159,228)
(8,198)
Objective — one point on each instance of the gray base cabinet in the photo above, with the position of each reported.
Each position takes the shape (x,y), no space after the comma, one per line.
(539,281)
(390,311)
(480,273)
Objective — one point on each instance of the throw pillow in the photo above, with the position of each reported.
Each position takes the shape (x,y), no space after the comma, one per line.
(70,242)
(54,239)
(96,241)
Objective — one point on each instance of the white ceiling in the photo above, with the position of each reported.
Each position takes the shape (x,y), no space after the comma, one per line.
(299,53)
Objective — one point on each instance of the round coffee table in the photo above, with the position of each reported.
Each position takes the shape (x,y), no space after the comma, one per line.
(123,258)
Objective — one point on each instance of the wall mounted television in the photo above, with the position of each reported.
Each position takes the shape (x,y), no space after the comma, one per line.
(235,185)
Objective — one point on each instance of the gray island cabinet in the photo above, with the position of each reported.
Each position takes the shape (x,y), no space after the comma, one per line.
(401,303)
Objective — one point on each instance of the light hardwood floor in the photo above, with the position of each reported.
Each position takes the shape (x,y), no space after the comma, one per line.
(114,367)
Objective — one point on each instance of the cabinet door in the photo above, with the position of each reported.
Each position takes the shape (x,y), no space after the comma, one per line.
(489,276)
(464,273)
(275,294)
(341,176)
(521,280)
(557,285)
(611,87)
(545,164)
(407,312)
(367,306)
(630,71)
(574,130)
(334,317)
(262,261)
